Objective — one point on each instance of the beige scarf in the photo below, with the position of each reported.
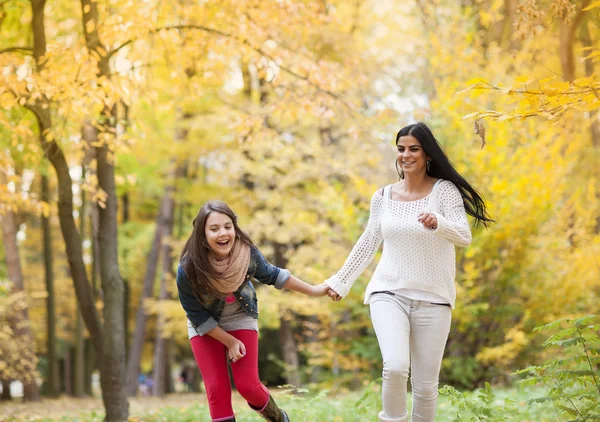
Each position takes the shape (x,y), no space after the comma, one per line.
(232,269)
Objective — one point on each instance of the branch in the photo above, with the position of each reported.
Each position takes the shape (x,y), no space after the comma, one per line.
(167,28)
(525,91)
(240,40)
(17,49)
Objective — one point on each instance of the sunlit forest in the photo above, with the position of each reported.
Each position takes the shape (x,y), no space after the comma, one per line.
(119,119)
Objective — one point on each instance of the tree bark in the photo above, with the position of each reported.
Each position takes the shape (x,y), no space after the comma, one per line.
(289,350)
(113,358)
(113,365)
(125,211)
(289,346)
(124,220)
(167,275)
(6,396)
(567,43)
(68,371)
(160,345)
(135,351)
(89,135)
(587,41)
(79,373)
(53,386)
(65,195)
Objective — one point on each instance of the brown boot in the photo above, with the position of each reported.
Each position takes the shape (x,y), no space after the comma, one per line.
(271,412)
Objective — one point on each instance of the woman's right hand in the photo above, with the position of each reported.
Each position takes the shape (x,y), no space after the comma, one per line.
(235,350)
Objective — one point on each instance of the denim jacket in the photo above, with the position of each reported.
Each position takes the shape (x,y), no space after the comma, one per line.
(205,317)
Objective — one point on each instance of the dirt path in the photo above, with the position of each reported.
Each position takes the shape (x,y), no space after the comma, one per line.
(68,406)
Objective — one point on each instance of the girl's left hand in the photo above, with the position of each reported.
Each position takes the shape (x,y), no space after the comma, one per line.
(320,290)
(429,220)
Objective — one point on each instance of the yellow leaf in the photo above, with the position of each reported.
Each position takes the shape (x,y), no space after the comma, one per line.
(90,26)
(522,79)
(584,81)
(477,80)
(592,6)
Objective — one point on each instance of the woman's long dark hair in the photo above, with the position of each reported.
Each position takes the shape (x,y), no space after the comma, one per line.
(441,168)
(194,258)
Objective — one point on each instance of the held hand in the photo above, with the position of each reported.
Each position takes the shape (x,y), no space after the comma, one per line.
(320,290)
(333,295)
(236,350)
(428,220)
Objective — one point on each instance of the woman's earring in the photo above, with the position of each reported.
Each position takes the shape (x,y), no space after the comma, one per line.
(428,165)
(400,173)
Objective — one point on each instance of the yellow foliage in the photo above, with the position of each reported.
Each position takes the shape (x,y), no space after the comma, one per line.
(504,355)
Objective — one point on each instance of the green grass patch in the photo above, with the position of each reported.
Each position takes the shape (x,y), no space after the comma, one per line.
(308,406)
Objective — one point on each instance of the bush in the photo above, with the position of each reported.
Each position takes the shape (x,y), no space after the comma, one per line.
(571,382)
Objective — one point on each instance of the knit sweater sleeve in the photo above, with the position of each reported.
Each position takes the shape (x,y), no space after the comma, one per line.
(363,251)
(453,225)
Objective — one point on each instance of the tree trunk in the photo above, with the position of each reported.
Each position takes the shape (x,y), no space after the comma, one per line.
(567,43)
(289,347)
(167,275)
(125,211)
(53,384)
(22,327)
(113,365)
(169,385)
(68,371)
(126,299)
(314,327)
(113,358)
(587,41)
(89,135)
(65,195)
(135,351)
(289,350)
(6,396)
(90,366)
(79,375)
(160,347)
(429,23)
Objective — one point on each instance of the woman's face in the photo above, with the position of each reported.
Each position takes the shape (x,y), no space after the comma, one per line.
(220,233)
(411,155)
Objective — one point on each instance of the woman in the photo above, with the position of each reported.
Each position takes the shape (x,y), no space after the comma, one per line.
(411,295)
(215,289)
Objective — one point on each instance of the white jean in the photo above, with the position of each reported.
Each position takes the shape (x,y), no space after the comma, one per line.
(411,334)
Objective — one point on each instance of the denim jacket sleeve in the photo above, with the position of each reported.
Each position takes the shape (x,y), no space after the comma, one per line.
(200,318)
(267,273)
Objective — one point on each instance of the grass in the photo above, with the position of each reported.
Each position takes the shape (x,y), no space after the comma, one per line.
(302,407)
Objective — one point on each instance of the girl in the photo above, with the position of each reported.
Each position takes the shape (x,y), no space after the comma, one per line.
(215,289)
(411,295)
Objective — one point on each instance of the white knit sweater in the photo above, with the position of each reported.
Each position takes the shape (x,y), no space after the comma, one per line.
(414,257)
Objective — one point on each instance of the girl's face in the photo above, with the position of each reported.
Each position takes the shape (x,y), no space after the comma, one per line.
(411,155)
(220,233)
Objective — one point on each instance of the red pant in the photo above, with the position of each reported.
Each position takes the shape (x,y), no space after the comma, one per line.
(211,357)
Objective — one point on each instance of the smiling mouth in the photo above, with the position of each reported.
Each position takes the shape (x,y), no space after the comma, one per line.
(407,164)
(223,242)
